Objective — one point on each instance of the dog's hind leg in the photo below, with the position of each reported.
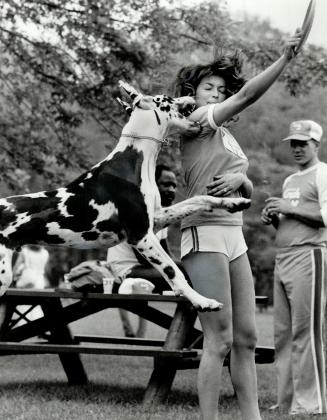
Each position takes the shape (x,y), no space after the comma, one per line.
(5,268)
(151,249)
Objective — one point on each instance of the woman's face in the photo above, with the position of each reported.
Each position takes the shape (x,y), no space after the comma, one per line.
(211,90)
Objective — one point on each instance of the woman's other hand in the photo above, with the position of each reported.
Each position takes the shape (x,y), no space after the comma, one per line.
(191,128)
(224,185)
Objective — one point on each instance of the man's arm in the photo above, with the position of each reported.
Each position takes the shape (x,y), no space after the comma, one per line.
(283,206)
(307,217)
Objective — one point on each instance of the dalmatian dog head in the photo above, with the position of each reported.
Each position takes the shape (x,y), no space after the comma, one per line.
(164,114)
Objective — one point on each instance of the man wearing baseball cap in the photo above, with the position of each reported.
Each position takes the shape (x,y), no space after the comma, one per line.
(300,218)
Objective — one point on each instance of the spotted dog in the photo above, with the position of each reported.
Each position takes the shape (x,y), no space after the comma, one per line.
(116,200)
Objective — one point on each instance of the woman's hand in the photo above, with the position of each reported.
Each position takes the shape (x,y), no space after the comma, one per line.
(224,185)
(191,128)
(291,45)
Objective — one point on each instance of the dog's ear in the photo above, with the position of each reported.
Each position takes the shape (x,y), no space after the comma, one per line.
(135,95)
(128,109)
(132,92)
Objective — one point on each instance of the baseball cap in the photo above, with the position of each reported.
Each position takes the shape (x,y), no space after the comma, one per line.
(304,130)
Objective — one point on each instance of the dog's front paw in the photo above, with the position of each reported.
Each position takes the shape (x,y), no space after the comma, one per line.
(209,305)
(232,205)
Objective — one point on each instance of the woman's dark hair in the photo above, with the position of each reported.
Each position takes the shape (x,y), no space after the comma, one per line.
(227,66)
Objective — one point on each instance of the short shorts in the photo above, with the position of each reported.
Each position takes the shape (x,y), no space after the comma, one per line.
(225,239)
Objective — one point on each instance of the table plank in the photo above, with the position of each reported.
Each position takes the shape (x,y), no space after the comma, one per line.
(8,347)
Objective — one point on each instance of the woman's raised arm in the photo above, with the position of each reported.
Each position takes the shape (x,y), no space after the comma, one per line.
(257,86)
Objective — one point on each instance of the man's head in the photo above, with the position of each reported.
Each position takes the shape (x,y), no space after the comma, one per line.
(167,184)
(304,137)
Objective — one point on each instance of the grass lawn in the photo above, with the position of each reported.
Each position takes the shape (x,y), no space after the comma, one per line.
(35,387)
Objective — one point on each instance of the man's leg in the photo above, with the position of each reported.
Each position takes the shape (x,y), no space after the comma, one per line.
(283,341)
(309,297)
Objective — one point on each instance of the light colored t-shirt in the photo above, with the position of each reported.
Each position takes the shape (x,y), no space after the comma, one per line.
(308,190)
(122,258)
(213,152)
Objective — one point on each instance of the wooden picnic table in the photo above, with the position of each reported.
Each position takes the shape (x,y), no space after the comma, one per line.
(50,333)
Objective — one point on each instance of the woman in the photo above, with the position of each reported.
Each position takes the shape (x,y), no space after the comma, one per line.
(213,248)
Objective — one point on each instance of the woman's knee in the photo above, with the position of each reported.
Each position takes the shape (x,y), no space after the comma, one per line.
(218,343)
(217,350)
(245,339)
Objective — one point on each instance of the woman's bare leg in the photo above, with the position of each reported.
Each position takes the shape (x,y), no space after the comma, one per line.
(209,273)
(243,369)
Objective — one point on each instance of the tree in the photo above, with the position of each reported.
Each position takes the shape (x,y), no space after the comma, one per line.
(59,68)
(60,63)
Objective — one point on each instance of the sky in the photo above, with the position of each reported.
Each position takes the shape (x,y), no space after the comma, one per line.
(286,15)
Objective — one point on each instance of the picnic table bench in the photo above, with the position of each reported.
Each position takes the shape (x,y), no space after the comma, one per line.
(50,333)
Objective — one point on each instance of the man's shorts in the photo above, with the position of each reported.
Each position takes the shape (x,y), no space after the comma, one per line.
(225,239)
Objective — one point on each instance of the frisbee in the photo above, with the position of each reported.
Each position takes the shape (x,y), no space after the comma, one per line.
(307,24)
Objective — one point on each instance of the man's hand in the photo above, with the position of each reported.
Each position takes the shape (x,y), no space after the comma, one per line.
(269,217)
(266,217)
(278,205)
(224,185)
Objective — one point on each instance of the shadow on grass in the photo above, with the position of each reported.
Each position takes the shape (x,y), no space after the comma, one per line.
(95,393)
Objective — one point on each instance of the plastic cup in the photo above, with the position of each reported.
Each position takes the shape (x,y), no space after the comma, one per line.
(108,283)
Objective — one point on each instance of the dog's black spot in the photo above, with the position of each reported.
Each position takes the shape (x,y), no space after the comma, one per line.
(90,236)
(81,214)
(36,232)
(111,225)
(169,271)
(33,205)
(3,271)
(52,193)
(154,261)
(165,108)
(140,249)
(157,117)
(7,216)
